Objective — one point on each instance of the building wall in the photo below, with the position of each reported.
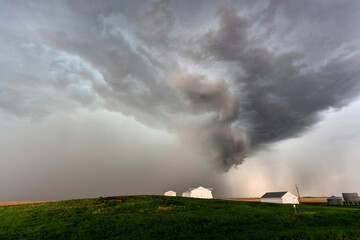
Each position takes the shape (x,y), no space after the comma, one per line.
(201,193)
(186,194)
(290,198)
(170,194)
(272,200)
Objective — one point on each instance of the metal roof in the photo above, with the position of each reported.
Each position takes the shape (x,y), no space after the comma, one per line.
(190,189)
(274,194)
(334,197)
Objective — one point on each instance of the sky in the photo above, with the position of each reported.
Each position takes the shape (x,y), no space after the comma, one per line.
(101,98)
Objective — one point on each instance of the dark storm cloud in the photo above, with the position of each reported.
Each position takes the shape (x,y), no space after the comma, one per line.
(281,95)
(156,25)
(283,64)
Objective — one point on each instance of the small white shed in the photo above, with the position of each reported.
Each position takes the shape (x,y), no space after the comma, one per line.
(280,197)
(170,193)
(199,192)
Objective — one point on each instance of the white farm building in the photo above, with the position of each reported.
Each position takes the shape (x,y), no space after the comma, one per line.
(280,197)
(199,192)
(170,193)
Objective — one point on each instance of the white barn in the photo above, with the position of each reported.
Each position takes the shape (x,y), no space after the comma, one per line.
(280,197)
(199,192)
(170,193)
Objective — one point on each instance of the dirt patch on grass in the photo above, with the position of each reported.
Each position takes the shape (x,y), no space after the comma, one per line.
(8,203)
(163,208)
(303,200)
(314,200)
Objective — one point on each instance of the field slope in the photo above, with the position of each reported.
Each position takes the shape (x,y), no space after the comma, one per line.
(157,217)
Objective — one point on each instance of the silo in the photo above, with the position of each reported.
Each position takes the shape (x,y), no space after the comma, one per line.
(334,201)
(351,198)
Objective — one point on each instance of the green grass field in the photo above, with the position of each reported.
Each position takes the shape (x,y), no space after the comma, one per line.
(157,217)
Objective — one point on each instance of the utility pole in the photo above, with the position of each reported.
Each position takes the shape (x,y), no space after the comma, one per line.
(297,189)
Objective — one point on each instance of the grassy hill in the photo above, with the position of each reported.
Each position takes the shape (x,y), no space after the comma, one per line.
(157,217)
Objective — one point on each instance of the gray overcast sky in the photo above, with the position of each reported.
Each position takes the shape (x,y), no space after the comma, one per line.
(133,97)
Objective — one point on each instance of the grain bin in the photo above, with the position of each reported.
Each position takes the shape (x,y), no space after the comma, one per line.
(334,201)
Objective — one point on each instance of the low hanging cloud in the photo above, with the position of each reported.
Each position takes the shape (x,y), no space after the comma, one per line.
(199,91)
(225,141)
